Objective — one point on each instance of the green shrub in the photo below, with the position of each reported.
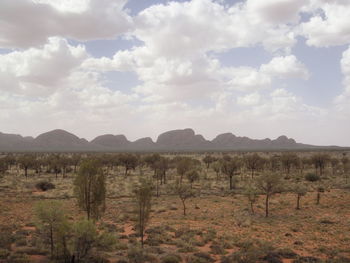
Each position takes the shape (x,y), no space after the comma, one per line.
(21,242)
(44,186)
(307,260)
(171,258)
(217,249)
(106,241)
(6,237)
(137,255)
(311,177)
(4,253)
(209,235)
(200,257)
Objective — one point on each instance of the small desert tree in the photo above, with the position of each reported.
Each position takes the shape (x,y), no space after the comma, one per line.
(321,188)
(270,184)
(3,166)
(207,160)
(26,162)
(163,165)
(90,188)
(251,192)
(54,162)
(53,226)
(216,166)
(151,161)
(230,168)
(84,239)
(253,162)
(346,167)
(319,160)
(192,175)
(129,161)
(75,160)
(274,163)
(334,164)
(143,197)
(184,192)
(289,160)
(300,190)
(183,165)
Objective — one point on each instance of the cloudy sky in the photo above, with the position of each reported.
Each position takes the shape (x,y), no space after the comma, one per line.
(251,67)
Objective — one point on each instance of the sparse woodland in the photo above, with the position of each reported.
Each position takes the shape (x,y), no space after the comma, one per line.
(175,207)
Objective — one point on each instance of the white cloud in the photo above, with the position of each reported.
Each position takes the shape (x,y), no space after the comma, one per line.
(29,23)
(246,79)
(183,83)
(276,11)
(249,100)
(285,67)
(330,25)
(39,72)
(342,102)
(183,29)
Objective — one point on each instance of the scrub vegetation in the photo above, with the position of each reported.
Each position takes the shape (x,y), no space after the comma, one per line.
(175,207)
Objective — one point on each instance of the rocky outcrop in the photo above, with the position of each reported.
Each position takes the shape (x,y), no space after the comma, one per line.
(175,140)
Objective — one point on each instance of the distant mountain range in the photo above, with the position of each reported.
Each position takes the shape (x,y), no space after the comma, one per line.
(175,140)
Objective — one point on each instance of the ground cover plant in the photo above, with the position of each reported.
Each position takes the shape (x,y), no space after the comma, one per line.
(175,207)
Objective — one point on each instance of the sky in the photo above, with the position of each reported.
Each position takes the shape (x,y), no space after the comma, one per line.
(254,68)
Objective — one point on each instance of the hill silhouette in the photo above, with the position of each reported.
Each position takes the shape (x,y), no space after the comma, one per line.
(174,140)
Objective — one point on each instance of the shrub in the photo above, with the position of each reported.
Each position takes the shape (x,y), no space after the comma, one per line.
(209,235)
(251,252)
(171,258)
(307,260)
(137,255)
(4,253)
(200,257)
(217,249)
(311,177)
(286,253)
(6,237)
(44,186)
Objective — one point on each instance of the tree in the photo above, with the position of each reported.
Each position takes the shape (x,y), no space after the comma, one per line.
(346,168)
(151,161)
(53,225)
(217,168)
(90,188)
(192,176)
(143,197)
(65,163)
(3,166)
(10,160)
(229,168)
(334,164)
(160,168)
(208,159)
(54,161)
(26,162)
(319,160)
(129,161)
(253,162)
(163,165)
(288,160)
(270,184)
(85,237)
(75,160)
(252,195)
(184,192)
(274,163)
(183,165)
(303,163)
(300,190)
(320,189)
